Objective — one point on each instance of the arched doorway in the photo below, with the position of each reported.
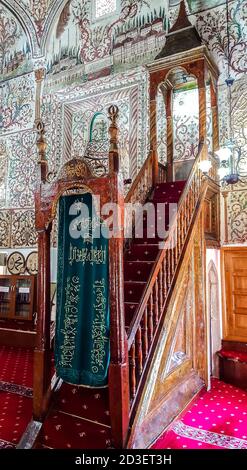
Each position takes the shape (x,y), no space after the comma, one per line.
(214,317)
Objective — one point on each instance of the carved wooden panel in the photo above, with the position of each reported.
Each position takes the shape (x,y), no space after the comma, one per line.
(179,366)
(235,293)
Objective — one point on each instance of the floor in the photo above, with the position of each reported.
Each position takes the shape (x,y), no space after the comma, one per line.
(79,418)
(215,419)
(16,378)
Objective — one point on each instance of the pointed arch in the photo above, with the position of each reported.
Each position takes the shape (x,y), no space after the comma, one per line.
(19,10)
(53,14)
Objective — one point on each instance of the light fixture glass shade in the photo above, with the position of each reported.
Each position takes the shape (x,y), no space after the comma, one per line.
(223,153)
(205,166)
(222,172)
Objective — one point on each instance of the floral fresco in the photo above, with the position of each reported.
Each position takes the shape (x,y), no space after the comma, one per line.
(198,5)
(21,184)
(237,217)
(14,48)
(93,59)
(17,104)
(212,27)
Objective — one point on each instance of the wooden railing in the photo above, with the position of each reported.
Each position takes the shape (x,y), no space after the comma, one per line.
(140,190)
(143,182)
(162,173)
(145,324)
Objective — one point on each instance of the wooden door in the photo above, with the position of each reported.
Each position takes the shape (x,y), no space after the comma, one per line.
(23,308)
(6,296)
(234,276)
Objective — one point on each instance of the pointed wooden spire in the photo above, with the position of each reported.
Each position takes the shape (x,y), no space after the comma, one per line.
(182,20)
(182,37)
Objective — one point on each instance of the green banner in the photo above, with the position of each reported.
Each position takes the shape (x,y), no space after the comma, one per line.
(82,349)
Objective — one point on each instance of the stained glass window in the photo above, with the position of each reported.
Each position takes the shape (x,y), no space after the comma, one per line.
(104,7)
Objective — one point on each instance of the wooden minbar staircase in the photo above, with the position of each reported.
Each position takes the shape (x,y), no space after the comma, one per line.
(158,326)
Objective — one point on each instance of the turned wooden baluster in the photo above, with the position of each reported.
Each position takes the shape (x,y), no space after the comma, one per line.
(139,352)
(145,334)
(182,225)
(161,289)
(179,235)
(176,244)
(150,321)
(189,205)
(173,252)
(164,263)
(168,267)
(132,367)
(156,304)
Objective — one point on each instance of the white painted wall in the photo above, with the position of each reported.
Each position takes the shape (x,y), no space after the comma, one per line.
(213,255)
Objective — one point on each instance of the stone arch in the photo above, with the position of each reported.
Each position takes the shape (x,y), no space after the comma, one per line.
(213,299)
(19,10)
(53,15)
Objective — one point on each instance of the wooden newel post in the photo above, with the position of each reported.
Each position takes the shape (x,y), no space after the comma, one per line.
(42,353)
(118,369)
(113,133)
(169,124)
(42,359)
(42,145)
(153,138)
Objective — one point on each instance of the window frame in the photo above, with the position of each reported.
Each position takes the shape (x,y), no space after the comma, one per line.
(96,19)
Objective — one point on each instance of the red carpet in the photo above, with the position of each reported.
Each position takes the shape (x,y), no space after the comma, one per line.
(140,257)
(80,416)
(23,325)
(216,419)
(16,405)
(15,414)
(79,419)
(16,365)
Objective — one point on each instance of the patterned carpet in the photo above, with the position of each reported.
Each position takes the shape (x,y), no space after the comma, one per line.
(16,377)
(216,419)
(79,419)
(16,365)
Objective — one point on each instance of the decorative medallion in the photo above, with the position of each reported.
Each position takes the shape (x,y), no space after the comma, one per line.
(16,263)
(32,263)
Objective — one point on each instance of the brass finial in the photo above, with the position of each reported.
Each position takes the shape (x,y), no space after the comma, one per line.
(42,146)
(113,113)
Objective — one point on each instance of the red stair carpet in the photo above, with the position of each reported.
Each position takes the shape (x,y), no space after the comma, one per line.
(79,419)
(139,258)
(216,419)
(16,380)
(16,365)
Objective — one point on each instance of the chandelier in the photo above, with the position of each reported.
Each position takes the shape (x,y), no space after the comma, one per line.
(233,165)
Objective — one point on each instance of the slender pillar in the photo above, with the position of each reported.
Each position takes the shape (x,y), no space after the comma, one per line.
(169,135)
(153,137)
(42,359)
(39,79)
(215,122)
(225,196)
(202,107)
(118,369)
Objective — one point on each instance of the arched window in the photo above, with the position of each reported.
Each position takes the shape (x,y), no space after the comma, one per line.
(99,128)
(97,149)
(104,7)
(3,174)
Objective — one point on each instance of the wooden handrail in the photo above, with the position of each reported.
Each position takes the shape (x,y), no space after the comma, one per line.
(152,305)
(136,319)
(139,179)
(162,172)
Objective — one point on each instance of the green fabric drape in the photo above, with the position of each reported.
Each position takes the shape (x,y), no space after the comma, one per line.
(82,349)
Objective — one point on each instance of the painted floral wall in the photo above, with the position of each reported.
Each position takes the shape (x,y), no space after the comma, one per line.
(94,57)
(15,52)
(211,25)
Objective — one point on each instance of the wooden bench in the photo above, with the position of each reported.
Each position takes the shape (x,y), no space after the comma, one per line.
(233,363)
